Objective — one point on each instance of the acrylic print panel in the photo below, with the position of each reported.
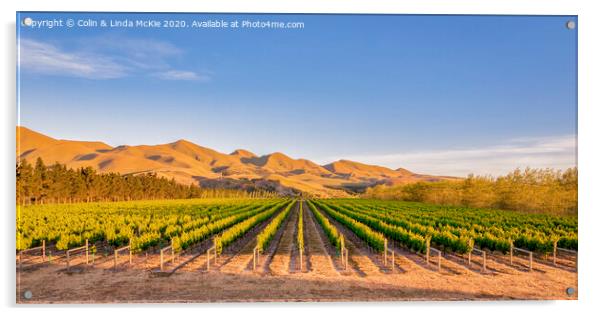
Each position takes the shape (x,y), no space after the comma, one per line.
(289,157)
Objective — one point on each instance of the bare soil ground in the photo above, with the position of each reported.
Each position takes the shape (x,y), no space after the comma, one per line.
(281,261)
(321,254)
(230,280)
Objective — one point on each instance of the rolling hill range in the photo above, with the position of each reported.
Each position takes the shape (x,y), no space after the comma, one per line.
(188,163)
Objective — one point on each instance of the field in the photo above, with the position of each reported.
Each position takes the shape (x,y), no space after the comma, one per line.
(208,250)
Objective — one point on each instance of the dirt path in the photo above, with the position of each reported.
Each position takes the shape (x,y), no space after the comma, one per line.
(265,259)
(196,256)
(237,257)
(321,261)
(362,259)
(281,261)
(295,264)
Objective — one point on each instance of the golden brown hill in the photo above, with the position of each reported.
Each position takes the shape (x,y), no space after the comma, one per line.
(281,163)
(31,145)
(353,169)
(187,162)
(243,153)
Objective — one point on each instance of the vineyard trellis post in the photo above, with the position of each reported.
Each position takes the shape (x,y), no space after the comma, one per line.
(530,253)
(130,248)
(386,248)
(214,249)
(559,249)
(344,252)
(555,250)
(387,256)
(438,252)
(342,243)
(255,255)
(209,258)
(483,254)
(173,257)
(116,254)
(484,261)
(69,251)
(43,250)
(427,242)
(163,250)
(511,251)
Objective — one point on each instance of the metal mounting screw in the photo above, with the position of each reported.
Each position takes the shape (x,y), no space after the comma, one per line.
(27,21)
(570,25)
(570,291)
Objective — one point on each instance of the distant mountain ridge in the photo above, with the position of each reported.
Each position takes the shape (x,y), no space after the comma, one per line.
(187,163)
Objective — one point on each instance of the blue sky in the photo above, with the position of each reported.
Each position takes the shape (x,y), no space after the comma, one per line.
(434,94)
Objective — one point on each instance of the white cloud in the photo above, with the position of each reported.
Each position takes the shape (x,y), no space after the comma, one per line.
(48,59)
(181,75)
(545,152)
(104,58)
(137,52)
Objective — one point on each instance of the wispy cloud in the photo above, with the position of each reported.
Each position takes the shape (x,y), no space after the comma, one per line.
(46,58)
(105,58)
(557,152)
(181,75)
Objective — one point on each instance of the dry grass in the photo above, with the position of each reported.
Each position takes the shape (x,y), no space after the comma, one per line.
(52,284)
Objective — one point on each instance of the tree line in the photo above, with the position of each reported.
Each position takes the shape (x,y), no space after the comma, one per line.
(530,190)
(41,184)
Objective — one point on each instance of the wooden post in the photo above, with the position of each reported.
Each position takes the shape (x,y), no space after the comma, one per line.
(469,257)
(115,260)
(208,259)
(392,259)
(254,258)
(530,261)
(484,261)
(342,248)
(439,261)
(86,251)
(43,250)
(161,259)
(511,253)
(555,249)
(386,251)
(428,250)
(67,260)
